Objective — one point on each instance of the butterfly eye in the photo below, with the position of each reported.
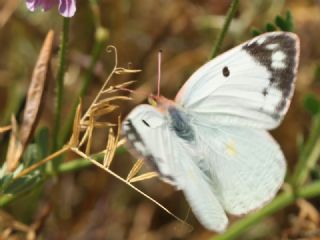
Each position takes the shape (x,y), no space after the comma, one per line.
(147,124)
(226,72)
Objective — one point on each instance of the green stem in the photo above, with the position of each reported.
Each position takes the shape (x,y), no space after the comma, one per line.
(77,164)
(280,202)
(60,82)
(309,154)
(230,14)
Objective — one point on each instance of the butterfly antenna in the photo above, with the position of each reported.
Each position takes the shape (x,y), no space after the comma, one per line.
(159,71)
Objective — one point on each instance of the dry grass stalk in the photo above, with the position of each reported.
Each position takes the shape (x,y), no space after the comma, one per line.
(43,161)
(98,164)
(33,103)
(87,124)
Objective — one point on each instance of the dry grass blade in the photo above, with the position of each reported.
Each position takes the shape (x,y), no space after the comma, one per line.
(144,176)
(114,147)
(84,137)
(34,98)
(90,131)
(74,140)
(15,146)
(121,70)
(104,125)
(108,100)
(135,169)
(109,148)
(118,87)
(121,142)
(5,129)
(104,110)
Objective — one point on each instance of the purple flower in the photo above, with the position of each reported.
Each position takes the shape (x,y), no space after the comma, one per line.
(67,8)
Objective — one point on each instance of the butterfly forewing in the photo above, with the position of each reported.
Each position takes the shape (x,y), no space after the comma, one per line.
(250,85)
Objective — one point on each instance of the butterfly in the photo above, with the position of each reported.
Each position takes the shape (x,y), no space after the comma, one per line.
(211,141)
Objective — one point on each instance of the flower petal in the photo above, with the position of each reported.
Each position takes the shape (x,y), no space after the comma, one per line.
(33,4)
(47,4)
(44,4)
(67,8)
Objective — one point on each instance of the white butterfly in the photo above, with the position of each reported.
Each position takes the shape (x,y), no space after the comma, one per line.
(211,141)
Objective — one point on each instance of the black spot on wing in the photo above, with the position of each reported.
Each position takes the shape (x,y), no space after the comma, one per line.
(145,123)
(226,71)
(262,49)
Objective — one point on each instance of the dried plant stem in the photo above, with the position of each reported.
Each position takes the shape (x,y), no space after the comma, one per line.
(60,82)
(280,202)
(231,12)
(81,154)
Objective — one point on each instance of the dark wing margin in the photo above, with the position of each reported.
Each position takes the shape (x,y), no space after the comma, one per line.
(279,53)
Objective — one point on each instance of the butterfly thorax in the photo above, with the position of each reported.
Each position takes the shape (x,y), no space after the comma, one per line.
(179,120)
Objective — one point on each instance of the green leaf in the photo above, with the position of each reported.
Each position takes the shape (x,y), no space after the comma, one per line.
(22,184)
(270,27)
(280,23)
(5,182)
(311,104)
(31,155)
(286,23)
(255,32)
(289,20)
(42,141)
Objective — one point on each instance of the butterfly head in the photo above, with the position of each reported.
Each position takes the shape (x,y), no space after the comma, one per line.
(160,102)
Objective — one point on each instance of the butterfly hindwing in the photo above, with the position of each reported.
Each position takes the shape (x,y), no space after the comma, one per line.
(246,165)
(249,85)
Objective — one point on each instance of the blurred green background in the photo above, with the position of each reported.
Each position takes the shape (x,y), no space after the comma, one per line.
(89,203)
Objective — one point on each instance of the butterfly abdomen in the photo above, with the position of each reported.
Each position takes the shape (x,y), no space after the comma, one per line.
(180,124)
